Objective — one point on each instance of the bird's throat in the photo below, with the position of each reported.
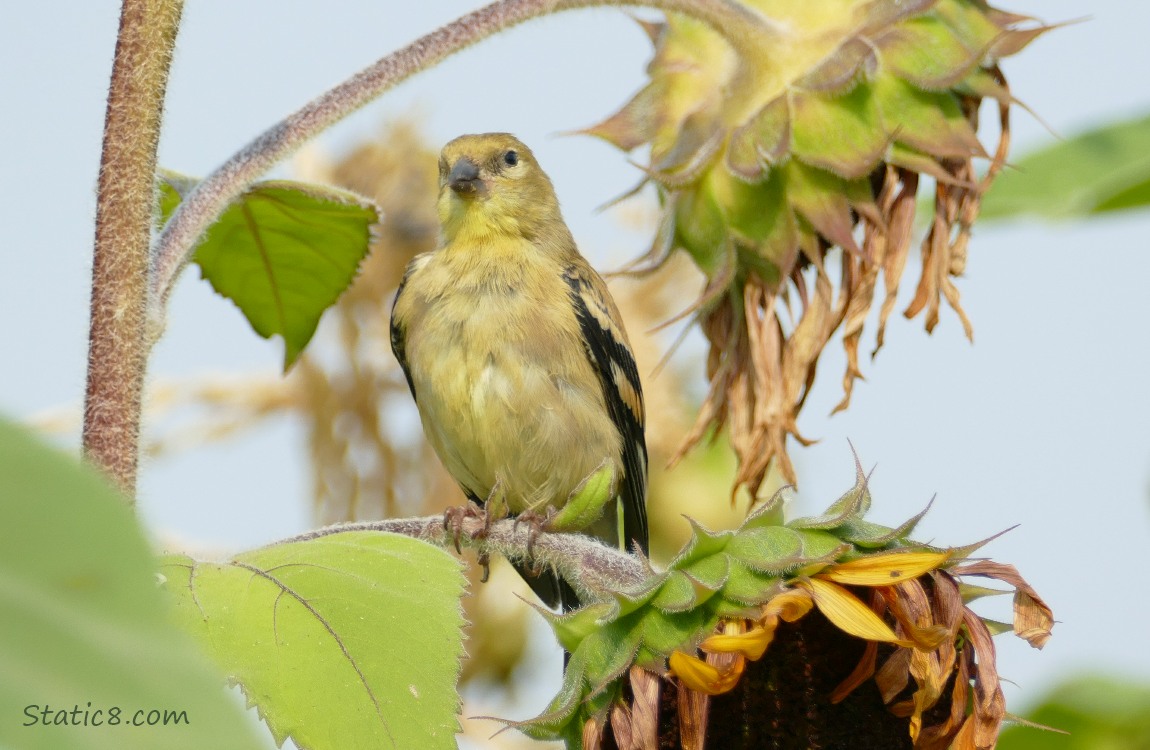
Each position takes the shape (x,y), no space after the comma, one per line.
(470,221)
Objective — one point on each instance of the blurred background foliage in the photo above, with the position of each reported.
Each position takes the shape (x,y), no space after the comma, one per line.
(1095,712)
(1102,170)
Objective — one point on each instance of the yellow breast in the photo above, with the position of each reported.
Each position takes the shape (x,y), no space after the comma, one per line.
(506,393)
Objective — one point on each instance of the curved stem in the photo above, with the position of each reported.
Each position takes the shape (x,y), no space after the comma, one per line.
(590,566)
(117,340)
(746,29)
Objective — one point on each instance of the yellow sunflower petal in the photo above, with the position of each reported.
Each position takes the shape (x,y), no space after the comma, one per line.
(703,677)
(752,644)
(848,614)
(790,605)
(884,569)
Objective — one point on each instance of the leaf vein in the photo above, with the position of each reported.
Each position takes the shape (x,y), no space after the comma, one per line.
(257,239)
(285,589)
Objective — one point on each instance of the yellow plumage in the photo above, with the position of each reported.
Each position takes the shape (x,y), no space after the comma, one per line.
(514,350)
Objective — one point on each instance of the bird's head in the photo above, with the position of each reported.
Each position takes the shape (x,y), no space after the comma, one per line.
(490,184)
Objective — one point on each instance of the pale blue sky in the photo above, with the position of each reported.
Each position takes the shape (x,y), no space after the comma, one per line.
(1044,422)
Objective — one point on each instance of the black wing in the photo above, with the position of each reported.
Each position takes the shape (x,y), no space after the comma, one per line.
(611,357)
(399,332)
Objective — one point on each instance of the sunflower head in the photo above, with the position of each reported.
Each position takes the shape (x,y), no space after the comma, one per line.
(789,156)
(790,634)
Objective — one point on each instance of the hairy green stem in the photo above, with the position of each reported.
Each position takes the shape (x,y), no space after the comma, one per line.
(590,566)
(743,27)
(117,341)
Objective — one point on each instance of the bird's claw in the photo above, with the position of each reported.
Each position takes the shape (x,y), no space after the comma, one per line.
(537,523)
(454,517)
(484,561)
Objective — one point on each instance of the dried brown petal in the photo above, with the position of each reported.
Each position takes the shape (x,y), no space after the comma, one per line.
(593,733)
(620,720)
(912,610)
(1033,618)
(862,672)
(694,709)
(645,688)
(940,736)
(989,705)
(894,675)
(964,740)
(931,681)
(893,260)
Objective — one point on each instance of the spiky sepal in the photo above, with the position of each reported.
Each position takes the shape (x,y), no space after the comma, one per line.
(722,589)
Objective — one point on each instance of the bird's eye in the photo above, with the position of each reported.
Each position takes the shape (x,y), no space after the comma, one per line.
(511,158)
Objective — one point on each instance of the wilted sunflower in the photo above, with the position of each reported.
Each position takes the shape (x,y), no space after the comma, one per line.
(936,673)
(826,631)
(789,167)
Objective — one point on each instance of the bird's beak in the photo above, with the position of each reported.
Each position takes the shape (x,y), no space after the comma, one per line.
(464,178)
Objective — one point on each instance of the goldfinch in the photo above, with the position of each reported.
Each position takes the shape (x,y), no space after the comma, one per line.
(516,355)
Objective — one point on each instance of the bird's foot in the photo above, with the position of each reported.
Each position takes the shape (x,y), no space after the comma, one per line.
(453,520)
(537,523)
(455,516)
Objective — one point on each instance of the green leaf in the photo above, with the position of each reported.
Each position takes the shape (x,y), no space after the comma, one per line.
(283,252)
(585,505)
(83,626)
(1101,170)
(1095,712)
(347,640)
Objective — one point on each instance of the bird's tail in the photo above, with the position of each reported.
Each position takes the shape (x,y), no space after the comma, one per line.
(555,592)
